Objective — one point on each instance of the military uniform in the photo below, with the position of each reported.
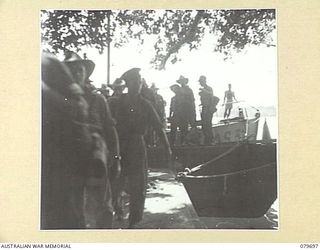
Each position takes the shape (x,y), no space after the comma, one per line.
(98,196)
(173,120)
(65,146)
(206,98)
(133,116)
(185,111)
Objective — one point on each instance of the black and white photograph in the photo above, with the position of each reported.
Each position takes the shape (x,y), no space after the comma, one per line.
(159,119)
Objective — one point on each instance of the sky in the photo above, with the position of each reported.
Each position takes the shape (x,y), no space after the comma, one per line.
(252,73)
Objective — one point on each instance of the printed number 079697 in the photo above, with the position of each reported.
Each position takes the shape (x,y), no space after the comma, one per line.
(308,245)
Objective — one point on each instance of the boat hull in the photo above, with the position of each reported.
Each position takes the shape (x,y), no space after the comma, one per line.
(226,131)
(235,130)
(241,184)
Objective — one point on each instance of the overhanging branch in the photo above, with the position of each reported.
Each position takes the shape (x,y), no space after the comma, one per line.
(189,37)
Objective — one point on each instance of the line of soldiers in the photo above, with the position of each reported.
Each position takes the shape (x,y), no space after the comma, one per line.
(183,113)
(92,149)
(94,144)
(150,93)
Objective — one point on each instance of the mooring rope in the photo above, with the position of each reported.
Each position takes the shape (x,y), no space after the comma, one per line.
(185,174)
(213,160)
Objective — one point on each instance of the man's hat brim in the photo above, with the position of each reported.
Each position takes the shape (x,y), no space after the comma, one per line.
(88,64)
(182,79)
(116,86)
(129,74)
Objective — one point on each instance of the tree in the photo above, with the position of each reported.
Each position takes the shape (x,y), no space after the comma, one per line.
(232,30)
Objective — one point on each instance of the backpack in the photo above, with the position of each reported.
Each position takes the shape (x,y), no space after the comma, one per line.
(215,101)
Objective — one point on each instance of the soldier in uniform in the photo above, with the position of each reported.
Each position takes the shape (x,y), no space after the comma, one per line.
(173,113)
(159,102)
(159,106)
(66,142)
(117,87)
(134,114)
(208,108)
(186,111)
(104,155)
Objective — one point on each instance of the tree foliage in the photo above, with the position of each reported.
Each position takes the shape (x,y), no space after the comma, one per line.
(232,30)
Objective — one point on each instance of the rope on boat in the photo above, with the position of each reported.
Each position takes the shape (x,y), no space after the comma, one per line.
(244,171)
(188,171)
(213,160)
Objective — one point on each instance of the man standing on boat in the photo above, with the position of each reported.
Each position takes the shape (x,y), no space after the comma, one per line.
(173,113)
(134,114)
(229,97)
(208,108)
(186,108)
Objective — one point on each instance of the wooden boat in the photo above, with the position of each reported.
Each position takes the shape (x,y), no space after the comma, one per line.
(241,181)
(235,177)
(234,129)
(225,132)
